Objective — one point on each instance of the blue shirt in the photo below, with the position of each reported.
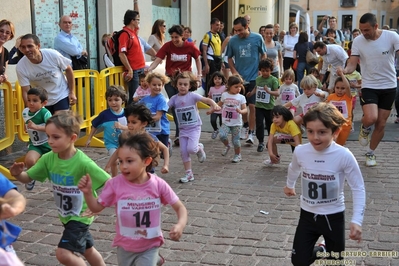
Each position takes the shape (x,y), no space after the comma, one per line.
(246,52)
(106,119)
(158,103)
(68,45)
(5,185)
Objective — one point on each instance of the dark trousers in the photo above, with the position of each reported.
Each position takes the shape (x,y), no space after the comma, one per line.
(310,228)
(133,84)
(214,118)
(287,63)
(263,117)
(171,91)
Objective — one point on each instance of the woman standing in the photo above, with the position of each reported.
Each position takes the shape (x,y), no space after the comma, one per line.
(178,55)
(157,38)
(289,42)
(300,50)
(273,50)
(7,32)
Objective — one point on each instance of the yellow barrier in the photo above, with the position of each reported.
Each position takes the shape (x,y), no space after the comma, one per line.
(7,102)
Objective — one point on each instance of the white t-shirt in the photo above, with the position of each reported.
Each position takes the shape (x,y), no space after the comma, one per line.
(377,60)
(231,102)
(288,92)
(306,102)
(48,74)
(323,175)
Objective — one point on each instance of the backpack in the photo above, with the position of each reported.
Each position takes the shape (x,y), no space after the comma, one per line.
(200,46)
(113,46)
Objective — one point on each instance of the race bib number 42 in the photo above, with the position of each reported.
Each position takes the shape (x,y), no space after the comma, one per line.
(187,115)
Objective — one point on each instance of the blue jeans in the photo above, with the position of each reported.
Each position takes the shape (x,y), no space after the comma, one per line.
(302,66)
(133,84)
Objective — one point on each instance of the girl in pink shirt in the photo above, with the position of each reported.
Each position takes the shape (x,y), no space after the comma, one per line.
(137,196)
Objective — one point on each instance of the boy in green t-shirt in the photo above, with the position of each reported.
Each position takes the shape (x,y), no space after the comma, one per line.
(64,166)
(35,117)
(266,91)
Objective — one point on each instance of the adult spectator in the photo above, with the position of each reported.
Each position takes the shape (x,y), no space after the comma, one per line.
(45,68)
(355,33)
(315,36)
(273,51)
(376,50)
(276,31)
(247,48)
(262,30)
(211,51)
(301,48)
(289,43)
(187,34)
(66,43)
(129,48)
(7,32)
(281,36)
(332,22)
(15,54)
(248,19)
(330,37)
(221,31)
(333,55)
(178,55)
(157,37)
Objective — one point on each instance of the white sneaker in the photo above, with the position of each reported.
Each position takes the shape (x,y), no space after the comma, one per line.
(201,153)
(244,133)
(269,162)
(250,139)
(215,134)
(187,178)
(226,150)
(370,160)
(364,136)
(236,158)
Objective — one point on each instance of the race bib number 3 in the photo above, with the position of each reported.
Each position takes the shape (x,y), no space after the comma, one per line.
(68,200)
(187,115)
(140,218)
(261,95)
(319,189)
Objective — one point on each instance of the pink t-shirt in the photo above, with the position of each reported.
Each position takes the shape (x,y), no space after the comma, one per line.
(216,94)
(140,92)
(138,211)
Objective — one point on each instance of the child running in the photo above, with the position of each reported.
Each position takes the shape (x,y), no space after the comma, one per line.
(35,117)
(137,196)
(187,114)
(283,131)
(233,107)
(158,106)
(142,90)
(266,92)
(112,120)
(138,118)
(342,99)
(64,166)
(323,167)
(311,95)
(217,87)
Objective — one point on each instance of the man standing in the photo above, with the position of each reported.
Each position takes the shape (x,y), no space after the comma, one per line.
(212,51)
(45,68)
(333,55)
(276,31)
(129,48)
(67,44)
(376,50)
(247,48)
(332,22)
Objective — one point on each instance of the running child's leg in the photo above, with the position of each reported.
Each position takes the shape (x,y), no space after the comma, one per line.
(94,257)
(235,138)
(114,164)
(31,158)
(260,125)
(223,135)
(213,121)
(185,156)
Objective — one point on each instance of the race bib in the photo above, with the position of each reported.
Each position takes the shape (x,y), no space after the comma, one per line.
(230,115)
(287,96)
(187,115)
(307,106)
(140,218)
(37,137)
(216,97)
(342,107)
(68,200)
(154,127)
(320,188)
(261,95)
(122,121)
(284,138)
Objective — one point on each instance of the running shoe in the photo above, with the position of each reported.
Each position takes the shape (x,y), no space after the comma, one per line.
(261,147)
(226,150)
(244,133)
(201,153)
(250,139)
(215,134)
(370,160)
(187,178)
(364,135)
(236,158)
(29,186)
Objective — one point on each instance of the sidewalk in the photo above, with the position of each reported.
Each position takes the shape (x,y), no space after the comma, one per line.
(225,226)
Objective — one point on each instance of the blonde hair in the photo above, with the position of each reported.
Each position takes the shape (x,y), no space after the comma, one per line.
(289,73)
(309,82)
(68,121)
(164,79)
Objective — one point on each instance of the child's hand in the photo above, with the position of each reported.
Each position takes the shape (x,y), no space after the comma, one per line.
(289,191)
(274,158)
(7,211)
(340,71)
(17,168)
(31,125)
(165,169)
(136,99)
(107,168)
(176,232)
(85,184)
(238,110)
(217,108)
(88,142)
(209,112)
(355,232)
(266,89)
(117,125)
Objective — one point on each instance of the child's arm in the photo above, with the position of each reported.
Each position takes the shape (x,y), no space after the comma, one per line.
(33,126)
(297,140)
(275,93)
(243,109)
(252,92)
(288,104)
(158,116)
(273,157)
(340,73)
(16,170)
(92,133)
(211,102)
(321,95)
(165,151)
(118,125)
(85,186)
(177,230)
(113,158)
(12,204)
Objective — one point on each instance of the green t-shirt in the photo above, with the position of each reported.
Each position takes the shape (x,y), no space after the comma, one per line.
(263,99)
(64,176)
(37,138)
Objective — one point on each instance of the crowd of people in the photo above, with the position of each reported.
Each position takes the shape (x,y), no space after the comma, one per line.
(252,81)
